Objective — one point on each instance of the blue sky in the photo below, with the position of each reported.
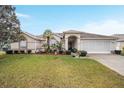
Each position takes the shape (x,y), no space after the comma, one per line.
(105,20)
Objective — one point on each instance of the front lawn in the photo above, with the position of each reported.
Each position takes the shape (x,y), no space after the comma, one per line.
(55,71)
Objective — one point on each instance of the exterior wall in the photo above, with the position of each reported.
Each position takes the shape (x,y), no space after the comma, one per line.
(30,44)
(14,45)
(35,45)
(98,46)
(119,45)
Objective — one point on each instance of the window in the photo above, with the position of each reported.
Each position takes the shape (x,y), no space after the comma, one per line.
(23,44)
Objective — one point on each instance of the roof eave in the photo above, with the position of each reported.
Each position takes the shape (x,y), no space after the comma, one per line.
(98,38)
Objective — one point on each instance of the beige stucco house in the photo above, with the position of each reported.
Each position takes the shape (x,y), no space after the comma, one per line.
(92,43)
(32,42)
(120,40)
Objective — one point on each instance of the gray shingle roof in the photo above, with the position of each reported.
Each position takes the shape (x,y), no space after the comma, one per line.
(119,36)
(33,36)
(58,34)
(72,32)
(85,35)
(96,36)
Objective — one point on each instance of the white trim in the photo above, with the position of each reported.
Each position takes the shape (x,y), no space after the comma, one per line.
(99,52)
(66,43)
(97,39)
(35,45)
(118,46)
(78,43)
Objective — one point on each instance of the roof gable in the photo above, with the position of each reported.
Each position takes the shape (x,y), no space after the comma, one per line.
(32,36)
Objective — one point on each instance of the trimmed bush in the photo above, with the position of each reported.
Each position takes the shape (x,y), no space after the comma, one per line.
(60,51)
(29,51)
(118,52)
(16,52)
(82,53)
(22,51)
(68,52)
(74,50)
(9,52)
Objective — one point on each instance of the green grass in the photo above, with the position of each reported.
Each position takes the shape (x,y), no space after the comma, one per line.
(2,54)
(55,71)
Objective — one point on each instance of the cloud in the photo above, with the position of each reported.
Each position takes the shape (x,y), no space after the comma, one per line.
(23,15)
(106,27)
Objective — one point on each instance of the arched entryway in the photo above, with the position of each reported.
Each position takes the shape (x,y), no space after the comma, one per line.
(72,42)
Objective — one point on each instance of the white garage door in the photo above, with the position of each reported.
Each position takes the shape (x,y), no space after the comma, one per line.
(96,46)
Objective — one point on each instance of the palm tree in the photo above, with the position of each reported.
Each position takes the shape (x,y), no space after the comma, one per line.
(48,35)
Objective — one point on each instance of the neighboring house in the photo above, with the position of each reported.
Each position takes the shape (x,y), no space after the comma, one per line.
(120,41)
(32,42)
(92,43)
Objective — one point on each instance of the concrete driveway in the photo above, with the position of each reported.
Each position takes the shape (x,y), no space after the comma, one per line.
(114,62)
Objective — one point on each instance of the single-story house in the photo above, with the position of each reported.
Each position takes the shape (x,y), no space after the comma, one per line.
(32,42)
(120,41)
(92,43)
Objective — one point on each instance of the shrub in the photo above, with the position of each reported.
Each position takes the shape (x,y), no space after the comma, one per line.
(49,51)
(9,52)
(29,51)
(74,50)
(60,51)
(118,52)
(82,53)
(16,52)
(68,52)
(22,51)
(70,49)
(2,54)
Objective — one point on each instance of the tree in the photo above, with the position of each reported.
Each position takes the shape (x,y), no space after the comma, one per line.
(9,25)
(48,35)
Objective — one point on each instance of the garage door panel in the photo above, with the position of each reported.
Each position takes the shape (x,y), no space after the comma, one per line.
(96,46)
